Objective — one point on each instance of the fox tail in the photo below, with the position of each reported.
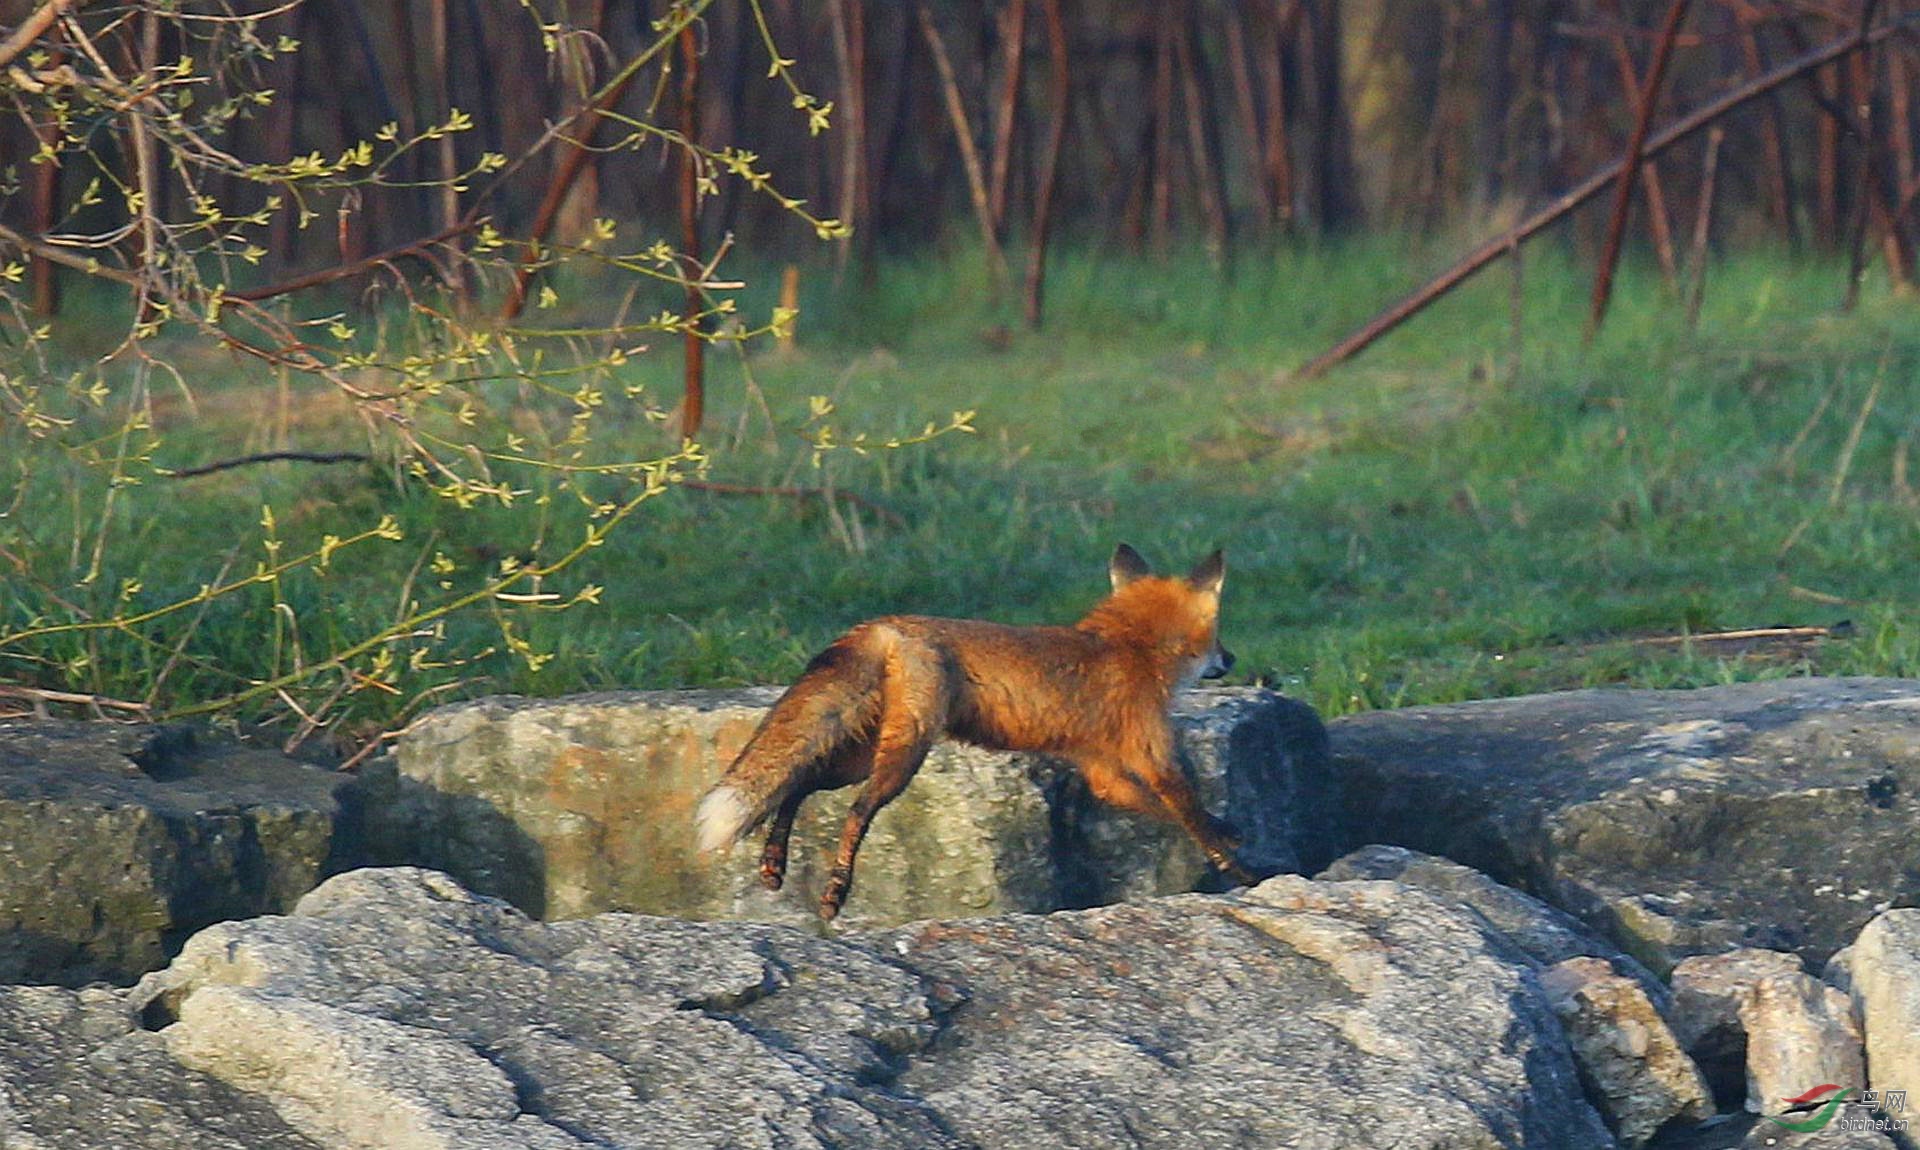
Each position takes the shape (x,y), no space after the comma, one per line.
(836,700)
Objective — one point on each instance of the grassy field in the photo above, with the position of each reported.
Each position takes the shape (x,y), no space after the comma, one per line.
(1457,514)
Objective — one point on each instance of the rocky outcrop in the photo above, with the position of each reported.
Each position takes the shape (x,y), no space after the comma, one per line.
(1627,1054)
(393,1009)
(573,806)
(1781,815)
(120,840)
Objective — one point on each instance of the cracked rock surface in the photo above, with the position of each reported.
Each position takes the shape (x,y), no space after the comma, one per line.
(394,1009)
(1781,815)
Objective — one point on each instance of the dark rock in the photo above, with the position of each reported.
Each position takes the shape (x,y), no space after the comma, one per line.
(118,841)
(1780,815)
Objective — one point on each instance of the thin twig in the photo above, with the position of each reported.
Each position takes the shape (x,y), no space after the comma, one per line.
(355,267)
(270,457)
(1844,465)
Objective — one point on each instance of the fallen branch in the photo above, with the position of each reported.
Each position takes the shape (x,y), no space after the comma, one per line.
(38,698)
(1365,336)
(822,493)
(1750,633)
(269,457)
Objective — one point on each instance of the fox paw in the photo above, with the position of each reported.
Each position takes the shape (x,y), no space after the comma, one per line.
(773,869)
(838,884)
(1230,866)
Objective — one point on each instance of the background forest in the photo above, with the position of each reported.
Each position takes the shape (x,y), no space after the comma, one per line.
(358,356)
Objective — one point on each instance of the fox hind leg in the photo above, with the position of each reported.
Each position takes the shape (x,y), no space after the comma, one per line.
(912,715)
(773,857)
(849,763)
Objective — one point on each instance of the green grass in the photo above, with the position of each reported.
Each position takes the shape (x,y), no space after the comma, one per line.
(1437,521)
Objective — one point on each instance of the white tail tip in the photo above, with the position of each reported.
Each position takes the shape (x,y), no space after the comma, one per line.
(721,818)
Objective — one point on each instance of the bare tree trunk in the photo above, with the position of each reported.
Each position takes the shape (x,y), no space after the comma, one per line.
(969,155)
(849,49)
(1059,92)
(694,391)
(1657,218)
(1631,163)
(1160,212)
(1703,227)
(489,116)
(1012,60)
(1826,223)
(1498,81)
(449,160)
(1246,105)
(1780,203)
(1206,177)
(1277,151)
(1335,189)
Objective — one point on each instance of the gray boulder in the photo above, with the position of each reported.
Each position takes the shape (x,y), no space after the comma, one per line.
(122,840)
(395,1010)
(78,1073)
(569,807)
(1546,936)
(1781,815)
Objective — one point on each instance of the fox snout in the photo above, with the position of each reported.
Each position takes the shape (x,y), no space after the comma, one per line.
(1219,662)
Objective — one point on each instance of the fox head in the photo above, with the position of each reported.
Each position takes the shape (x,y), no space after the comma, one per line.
(1181,612)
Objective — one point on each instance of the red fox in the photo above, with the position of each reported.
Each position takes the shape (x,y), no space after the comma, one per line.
(869,707)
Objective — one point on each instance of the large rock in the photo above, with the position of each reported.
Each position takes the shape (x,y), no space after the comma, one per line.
(394,1010)
(1781,815)
(1626,1052)
(118,841)
(1709,992)
(1882,970)
(573,806)
(1800,1032)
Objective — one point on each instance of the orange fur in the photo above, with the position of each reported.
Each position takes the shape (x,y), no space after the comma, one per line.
(869,707)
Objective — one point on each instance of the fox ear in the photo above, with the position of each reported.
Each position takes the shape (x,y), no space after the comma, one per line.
(1126,566)
(1210,573)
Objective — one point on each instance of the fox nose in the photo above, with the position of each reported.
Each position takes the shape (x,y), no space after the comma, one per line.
(1220,666)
